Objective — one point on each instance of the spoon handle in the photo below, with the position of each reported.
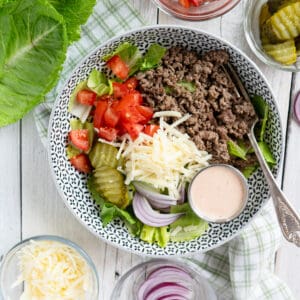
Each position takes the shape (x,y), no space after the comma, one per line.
(288,218)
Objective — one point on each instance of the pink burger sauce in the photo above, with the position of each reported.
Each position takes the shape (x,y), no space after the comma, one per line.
(218,193)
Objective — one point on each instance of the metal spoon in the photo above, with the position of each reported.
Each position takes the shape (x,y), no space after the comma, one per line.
(288,217)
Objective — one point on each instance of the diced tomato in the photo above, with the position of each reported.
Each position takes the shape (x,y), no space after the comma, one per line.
(197,2)
(118,67)
(80,139)
(133,129)
(146,111)
(86,97)
(111,117)
(99,113)
(108,133)
(119,90)
(185,3)
(131,83)
(81,163)
(130,114)
(151,129)
(131,99)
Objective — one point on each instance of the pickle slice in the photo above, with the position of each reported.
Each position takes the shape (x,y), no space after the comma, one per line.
(103,155)
(264,14)
(284,53)
(284,24)
(109,183)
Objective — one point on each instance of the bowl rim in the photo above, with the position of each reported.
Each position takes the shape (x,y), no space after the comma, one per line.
(256,49)
(197,18)
(115,39)
(14,249)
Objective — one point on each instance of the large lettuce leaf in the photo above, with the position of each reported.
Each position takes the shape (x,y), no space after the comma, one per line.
(75,13)
(33,42)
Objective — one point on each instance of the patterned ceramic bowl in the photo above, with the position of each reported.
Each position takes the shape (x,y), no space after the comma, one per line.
(72,184)
(206,11)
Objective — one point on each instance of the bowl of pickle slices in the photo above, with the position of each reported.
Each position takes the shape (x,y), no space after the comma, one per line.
(272,29)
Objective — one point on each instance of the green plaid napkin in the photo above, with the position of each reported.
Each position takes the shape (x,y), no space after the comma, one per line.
(240,269)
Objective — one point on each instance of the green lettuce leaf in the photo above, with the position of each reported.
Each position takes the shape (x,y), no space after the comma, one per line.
(262,110)
(190,86)
(236,150)
(249,170)
(153,57)
(98,83)
(75,13)
(32,50)
(187,227)
(72,151)
(267,154)
(159,235)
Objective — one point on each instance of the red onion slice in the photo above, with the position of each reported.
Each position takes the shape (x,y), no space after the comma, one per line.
(153,195)
(154,288)
(173,297)
(171,271)
(297,107)
(166,289)
(144,212)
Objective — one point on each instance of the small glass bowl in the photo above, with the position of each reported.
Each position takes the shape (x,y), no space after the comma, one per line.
(206,11)
(252,10)
(9,268)
(128,285)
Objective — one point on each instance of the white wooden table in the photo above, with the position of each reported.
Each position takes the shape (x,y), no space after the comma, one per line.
(30,204)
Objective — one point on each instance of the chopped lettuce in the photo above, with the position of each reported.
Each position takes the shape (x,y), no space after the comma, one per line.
(71,151)
(159,235)
(262,110)
(75,13)
(267,154)
(187,227)
(77,109)
(98,83)
(190,86)
(168,90)
(153,57)
(109,211)
(33,43)
(130,54)
(247,171)
(236,150)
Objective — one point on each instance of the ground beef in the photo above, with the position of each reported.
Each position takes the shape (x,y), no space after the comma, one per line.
(218,113)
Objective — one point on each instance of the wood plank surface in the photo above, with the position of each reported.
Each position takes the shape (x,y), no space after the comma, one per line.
(288,257)
(10,201)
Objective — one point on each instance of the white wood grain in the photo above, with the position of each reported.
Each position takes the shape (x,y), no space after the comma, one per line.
(10,221)
(288,257)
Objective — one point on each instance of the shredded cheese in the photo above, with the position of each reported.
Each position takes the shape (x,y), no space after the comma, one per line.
(167,160)
(52,270)
(167,113)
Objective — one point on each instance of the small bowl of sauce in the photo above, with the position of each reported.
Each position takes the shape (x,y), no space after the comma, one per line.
(218,193)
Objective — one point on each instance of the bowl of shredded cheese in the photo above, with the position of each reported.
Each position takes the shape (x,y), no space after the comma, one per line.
(48,267)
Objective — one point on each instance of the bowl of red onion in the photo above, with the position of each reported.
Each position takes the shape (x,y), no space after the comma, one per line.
(163,279)
(196,10)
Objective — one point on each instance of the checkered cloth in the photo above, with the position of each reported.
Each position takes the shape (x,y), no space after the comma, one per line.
(240,269)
